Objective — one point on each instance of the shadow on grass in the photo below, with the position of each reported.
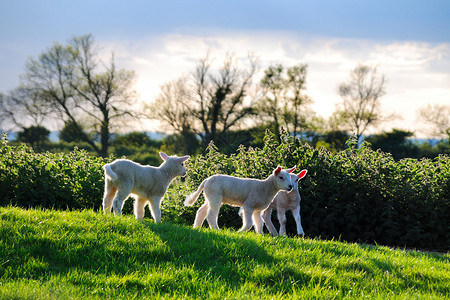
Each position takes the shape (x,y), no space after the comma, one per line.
(105,246)
(42,247)
(228,258)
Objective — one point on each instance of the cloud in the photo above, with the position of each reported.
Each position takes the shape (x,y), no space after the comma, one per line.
(417,73)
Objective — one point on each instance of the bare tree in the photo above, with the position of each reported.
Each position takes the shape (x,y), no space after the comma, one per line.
(207,103)
(21,108)
(81,89)
(171,106)
(439,117)
(361,99)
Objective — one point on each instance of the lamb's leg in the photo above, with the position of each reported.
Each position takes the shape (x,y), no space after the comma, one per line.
(139,208)
(155,208)
(246,219)
(123,190)
(282,219)
(213,211)
(110,191)
(296,214)
(201,215)
(267,215)
(118,201)
(258,221)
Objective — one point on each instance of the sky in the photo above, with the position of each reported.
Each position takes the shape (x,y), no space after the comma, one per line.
(409,41)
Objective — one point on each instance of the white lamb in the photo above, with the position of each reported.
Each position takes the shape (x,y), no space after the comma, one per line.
(253,195)
(146,183)
(283,202)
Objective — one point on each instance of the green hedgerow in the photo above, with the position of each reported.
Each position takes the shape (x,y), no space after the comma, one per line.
(28,179)
(358,194)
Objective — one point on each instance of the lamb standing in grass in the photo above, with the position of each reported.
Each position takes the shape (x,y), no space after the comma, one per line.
(283,202)
(253,195)
(147,184)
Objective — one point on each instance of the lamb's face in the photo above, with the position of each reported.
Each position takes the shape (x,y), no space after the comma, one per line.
(182,169)
(178,165)
(283,179)
(295,179)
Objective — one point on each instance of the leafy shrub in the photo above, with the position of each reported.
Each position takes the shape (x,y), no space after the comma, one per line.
(356,195)
(63,181)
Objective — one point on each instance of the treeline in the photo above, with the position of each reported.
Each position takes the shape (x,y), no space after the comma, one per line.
(141,147)
(91,100)
(356,194)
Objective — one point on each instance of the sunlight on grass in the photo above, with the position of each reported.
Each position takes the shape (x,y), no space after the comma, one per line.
(84,254)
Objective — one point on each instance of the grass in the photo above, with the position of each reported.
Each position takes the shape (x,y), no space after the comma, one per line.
(86,255)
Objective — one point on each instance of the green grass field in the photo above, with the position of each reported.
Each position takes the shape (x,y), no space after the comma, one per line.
(86,255)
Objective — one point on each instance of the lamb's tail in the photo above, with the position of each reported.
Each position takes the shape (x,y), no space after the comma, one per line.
(190,199)
(109,172)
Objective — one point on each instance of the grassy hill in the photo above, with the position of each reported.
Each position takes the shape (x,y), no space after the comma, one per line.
(84,254)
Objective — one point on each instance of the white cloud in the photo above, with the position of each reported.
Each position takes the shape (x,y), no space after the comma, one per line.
(414,71)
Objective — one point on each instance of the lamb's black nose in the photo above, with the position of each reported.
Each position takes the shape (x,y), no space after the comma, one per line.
(290,187)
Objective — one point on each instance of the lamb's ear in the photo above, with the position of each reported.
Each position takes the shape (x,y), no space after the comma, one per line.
(302,174)
(291,169)
(277,170)
(163,156)
(183,158)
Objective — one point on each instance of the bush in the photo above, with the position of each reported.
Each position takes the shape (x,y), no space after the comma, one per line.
(357,195)
(63,181)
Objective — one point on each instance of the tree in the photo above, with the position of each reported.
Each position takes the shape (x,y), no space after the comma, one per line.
(439,117)
(333,140)
(207,103)
(22,108)
(181,144)
(395,142)
(171,108)
(36,136)
(284,102)
(361,99)
(135,139)
(3,115)
(71,132)
(79,88)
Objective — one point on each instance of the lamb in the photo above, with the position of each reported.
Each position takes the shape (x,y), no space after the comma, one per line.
(283,202)
(253,195)
(146,183)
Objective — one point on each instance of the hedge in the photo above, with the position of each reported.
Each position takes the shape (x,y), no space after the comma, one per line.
(356,195)
(50,180)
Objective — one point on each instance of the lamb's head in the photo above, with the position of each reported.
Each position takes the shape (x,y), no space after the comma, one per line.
(296,178)
(175,163)
(283,179)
